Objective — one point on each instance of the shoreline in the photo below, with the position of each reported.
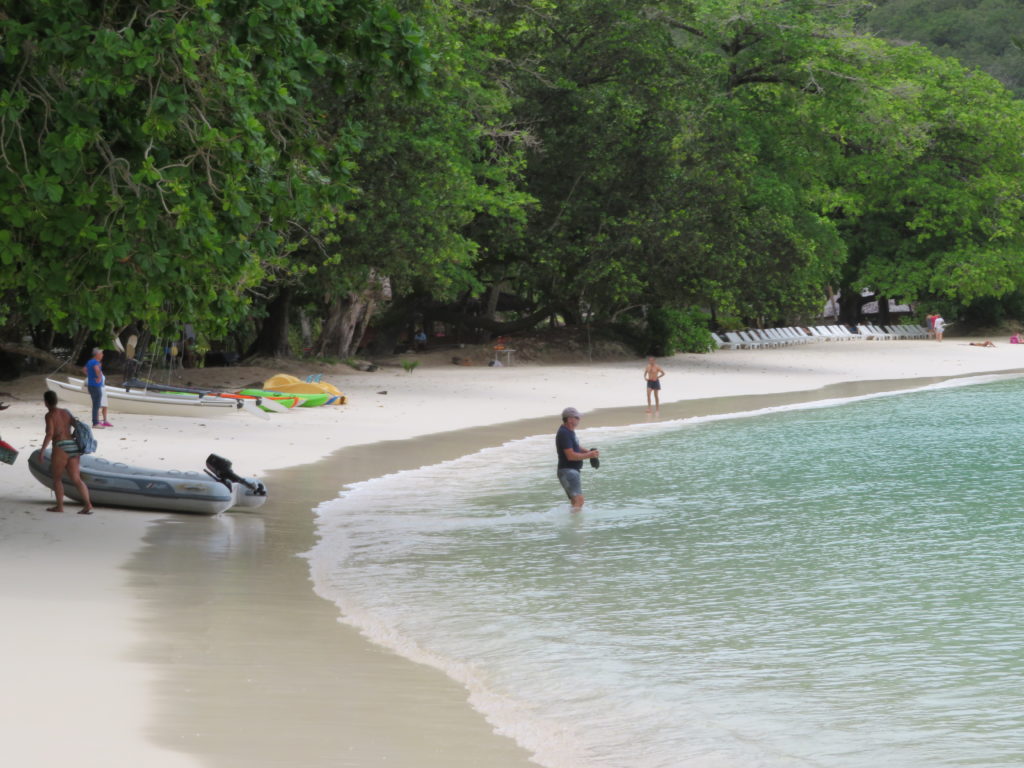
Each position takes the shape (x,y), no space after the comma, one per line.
(210,643)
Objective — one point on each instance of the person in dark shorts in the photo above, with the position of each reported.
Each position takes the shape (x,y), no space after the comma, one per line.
(652,375)
(571,457)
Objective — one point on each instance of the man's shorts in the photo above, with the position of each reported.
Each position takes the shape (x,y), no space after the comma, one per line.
(653,384)
(571,483)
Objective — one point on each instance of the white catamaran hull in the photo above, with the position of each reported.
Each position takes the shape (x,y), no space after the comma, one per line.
(112,484)
(146,403)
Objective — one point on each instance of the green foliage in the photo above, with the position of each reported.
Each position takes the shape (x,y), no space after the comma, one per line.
(163,161)
(672,330)
(933,173)
(980,33)
(410,365)
(159,159)
(991,312)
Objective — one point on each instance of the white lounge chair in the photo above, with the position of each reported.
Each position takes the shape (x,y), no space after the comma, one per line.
(797,335)
(723,343)
(881,334)
(840,332)
(752,341)
(787,338)
(734,338)
(768,335)
(819,334)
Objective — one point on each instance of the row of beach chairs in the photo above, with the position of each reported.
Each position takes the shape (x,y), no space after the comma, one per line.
(778,337)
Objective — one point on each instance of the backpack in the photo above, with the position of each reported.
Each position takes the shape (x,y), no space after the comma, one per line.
(81,433)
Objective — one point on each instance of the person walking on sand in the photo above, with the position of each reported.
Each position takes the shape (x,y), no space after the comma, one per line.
(65,454)
(939,326)
(652,375)
(93,371)
(571,456)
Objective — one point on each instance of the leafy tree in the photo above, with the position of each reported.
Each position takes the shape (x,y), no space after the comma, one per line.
(673,165)
(434,163)
(931,195)
(159,158)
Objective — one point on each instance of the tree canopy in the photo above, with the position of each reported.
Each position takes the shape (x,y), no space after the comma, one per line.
(238,163)
(160,158)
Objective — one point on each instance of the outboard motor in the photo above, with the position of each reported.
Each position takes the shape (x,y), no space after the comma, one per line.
(219,468)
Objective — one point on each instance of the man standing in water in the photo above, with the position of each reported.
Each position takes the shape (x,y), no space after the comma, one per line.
(571,456)
(65,454)
(652,374)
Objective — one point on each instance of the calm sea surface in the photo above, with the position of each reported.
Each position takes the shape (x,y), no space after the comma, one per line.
(835,586)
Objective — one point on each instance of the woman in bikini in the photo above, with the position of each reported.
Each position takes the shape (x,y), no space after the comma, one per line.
(65,454)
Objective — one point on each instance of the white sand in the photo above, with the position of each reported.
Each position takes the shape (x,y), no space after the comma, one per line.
(74,690)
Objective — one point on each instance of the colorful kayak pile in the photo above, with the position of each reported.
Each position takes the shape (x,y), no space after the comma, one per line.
(279,394)
(309,393)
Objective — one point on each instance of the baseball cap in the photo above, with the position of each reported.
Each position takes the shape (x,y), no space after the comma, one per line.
(571,412)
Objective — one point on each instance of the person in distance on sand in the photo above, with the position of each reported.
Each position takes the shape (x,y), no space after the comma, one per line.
(652,375)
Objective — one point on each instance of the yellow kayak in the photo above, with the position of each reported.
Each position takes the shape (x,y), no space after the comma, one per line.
(284,382)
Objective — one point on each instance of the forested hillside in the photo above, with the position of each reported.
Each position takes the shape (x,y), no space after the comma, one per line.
(256,166)
(981,33)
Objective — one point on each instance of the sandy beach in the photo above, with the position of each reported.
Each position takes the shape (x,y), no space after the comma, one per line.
(140,638)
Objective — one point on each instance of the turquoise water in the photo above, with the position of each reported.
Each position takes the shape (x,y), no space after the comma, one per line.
(835,586)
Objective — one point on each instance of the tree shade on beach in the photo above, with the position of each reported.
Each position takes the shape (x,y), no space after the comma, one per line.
(240,164)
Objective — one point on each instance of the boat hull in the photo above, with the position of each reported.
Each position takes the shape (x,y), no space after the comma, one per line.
(276,404)
(146,403)
(112,484)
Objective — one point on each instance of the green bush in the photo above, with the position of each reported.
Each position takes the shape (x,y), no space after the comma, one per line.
(671,330)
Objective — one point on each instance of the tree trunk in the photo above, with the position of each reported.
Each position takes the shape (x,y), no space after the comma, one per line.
(272,339)
(492,301)
(850,303)
(345,324)
(883,311)
(80,337)
(307,332)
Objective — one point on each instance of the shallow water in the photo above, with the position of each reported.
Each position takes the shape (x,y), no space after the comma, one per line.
(831,586)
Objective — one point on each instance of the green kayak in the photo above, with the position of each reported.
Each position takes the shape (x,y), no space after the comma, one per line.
(305,401)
